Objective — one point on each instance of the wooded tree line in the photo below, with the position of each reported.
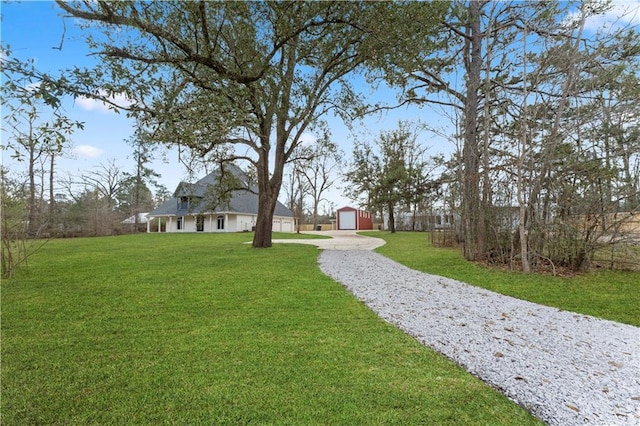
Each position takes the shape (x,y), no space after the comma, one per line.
(556,126)
(91,203)
(309,176)
(547,112)
(39,201)
(545,108)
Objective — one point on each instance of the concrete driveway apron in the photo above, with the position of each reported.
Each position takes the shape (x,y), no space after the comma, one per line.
(340,240)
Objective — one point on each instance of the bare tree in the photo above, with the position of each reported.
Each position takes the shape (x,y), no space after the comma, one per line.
(36,131)
(105,180)
(296,190)
(319,171)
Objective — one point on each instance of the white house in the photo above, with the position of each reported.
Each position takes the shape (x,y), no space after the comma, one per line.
(191,211)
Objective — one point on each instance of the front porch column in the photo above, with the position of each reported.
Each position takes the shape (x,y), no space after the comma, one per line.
(226,222)
(210,223)
(170,224)
(149,224)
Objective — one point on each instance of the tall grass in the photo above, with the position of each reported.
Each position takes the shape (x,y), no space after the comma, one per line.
(613,295)
(203,329)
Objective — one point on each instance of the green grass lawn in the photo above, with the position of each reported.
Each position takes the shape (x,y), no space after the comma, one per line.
(614,295)
(202,329)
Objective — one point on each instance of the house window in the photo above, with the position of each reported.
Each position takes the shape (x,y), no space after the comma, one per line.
(183,203)
(199,223)
(179,223)
(220,222)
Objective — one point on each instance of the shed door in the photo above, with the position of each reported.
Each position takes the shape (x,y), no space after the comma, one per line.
(348,219)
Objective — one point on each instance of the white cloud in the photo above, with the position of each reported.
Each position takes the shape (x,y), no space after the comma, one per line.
(33,87)
(307,139)
(622,13)
(90,104)
(87,151)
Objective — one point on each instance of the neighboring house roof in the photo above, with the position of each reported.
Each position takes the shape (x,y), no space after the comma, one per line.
(241,201)
(142,218)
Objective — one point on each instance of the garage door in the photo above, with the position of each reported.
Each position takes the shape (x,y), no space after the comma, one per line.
(347,220)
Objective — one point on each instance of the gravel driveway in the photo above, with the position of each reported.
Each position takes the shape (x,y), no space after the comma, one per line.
(566,368)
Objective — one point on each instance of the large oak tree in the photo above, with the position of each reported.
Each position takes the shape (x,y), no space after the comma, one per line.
(245,79)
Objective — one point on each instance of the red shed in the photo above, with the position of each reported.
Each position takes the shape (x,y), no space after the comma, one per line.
(350,218)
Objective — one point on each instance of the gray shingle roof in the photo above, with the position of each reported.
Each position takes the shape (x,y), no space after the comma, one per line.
(242,201)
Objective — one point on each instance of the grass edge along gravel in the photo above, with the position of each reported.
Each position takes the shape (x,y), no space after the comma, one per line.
(195,328)
(612,295)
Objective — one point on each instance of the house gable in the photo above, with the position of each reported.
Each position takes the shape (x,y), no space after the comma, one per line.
(194,198)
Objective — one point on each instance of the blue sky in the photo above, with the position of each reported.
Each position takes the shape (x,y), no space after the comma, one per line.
(35,30)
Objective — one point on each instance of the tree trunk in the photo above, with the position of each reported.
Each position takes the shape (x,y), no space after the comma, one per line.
(392,219)
(264,222)
(315,214)
(522,206)
(472,228)
(300,210)
(51,190)
(266,206)
(269,186)
(268,190)
(31,215)
(413,219)
(486,202)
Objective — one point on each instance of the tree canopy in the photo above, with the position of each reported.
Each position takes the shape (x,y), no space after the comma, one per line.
(540,102)
(390,174)
(242,79)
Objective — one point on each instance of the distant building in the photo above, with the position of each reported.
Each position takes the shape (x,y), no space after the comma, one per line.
(349,218)
(423,221)
(142,218)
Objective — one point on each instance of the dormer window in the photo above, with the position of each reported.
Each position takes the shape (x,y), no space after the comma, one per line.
(183,203)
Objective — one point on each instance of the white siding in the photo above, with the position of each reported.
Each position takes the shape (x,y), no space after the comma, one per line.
(232,223)
(245,222)
(189,224)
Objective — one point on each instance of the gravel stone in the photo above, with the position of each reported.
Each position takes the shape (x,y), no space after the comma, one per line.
(565,368)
